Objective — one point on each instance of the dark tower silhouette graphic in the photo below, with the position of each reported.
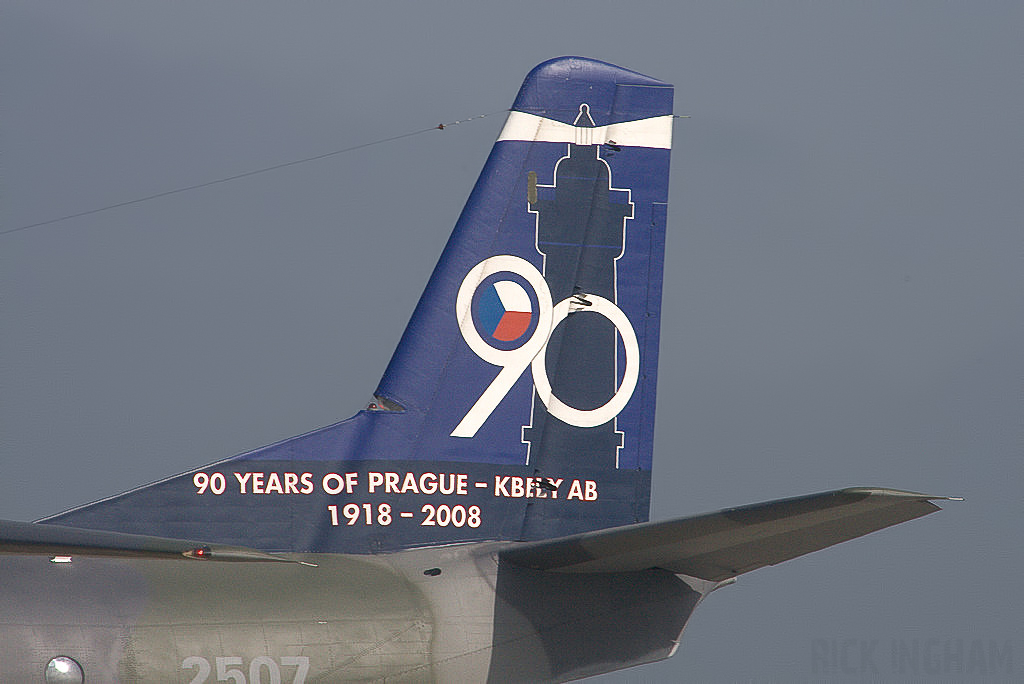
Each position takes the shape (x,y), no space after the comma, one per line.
(581,232)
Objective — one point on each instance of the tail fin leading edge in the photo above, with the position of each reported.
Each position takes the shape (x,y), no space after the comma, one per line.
(519,403)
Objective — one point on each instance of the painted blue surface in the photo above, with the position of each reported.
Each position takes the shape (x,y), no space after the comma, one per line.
(272,519)
(597,228)
(491,310)
(555,89)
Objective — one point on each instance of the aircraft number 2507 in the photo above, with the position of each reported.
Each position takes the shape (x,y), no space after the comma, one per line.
(262,669)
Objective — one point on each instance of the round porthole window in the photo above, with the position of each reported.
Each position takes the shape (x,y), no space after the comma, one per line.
(64,670)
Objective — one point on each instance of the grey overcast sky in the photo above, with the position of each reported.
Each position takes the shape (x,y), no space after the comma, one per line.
(844,296)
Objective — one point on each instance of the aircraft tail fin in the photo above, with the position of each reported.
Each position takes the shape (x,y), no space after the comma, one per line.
(520,401)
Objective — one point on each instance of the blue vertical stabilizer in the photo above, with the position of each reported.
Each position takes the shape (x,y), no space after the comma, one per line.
(519,403)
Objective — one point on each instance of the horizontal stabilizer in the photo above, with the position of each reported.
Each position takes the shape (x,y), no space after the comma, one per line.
(58,540)
(722,545)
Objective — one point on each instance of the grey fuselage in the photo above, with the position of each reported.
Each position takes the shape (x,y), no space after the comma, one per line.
(390,617)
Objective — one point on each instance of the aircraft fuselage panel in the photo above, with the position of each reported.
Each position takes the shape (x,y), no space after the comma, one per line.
(386,618)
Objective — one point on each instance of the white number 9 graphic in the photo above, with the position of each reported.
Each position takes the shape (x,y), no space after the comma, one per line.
(513,362)
(533,351)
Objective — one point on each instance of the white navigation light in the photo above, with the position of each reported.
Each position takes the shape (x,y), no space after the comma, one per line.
(64,670)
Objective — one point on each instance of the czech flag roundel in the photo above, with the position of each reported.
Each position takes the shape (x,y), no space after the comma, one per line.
(505,311)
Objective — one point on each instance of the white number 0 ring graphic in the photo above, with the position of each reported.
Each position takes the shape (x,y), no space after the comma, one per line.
(533,352)
(601,414)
